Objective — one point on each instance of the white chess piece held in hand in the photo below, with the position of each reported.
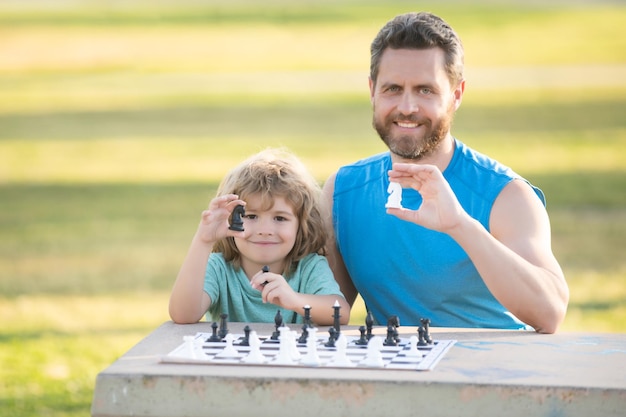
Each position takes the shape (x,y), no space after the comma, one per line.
(395,195)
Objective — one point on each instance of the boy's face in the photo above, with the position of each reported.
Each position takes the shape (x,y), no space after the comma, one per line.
(271,234)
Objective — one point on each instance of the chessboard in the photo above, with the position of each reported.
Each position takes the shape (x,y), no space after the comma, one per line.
(287,349)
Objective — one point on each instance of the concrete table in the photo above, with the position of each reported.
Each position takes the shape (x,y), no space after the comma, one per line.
(486,373)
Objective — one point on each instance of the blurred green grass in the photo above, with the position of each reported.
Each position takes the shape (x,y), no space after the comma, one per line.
(117,121)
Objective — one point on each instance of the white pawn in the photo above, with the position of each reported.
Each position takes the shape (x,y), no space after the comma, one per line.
(229,351)
(374,358)
(341,358)
(395,195)
(293,345)
(190,347)
(413,351)
(255,355)
(311,358)
(284,356)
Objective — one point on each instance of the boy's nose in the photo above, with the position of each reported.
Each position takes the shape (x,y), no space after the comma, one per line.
(264,227)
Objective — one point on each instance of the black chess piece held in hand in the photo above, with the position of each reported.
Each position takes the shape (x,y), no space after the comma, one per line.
(236,222)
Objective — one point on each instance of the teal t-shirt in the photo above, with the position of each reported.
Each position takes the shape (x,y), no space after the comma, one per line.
(231,293)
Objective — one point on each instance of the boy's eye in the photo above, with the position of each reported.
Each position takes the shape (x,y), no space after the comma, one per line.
(250,216)
(280,218)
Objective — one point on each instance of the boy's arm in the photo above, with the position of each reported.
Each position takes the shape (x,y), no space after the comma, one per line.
(188,301)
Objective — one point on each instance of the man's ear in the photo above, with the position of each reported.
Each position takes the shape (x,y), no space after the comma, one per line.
(458,94)
(372,85)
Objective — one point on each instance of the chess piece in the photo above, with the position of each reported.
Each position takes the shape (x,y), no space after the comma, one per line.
(278,323)
(362,341)
(395,195)
(369,323)
(413,351)
(311,358)
(255,356)
(223,326)
(374,357)
(285,354)
(390,340)
(265,270)
(395,322)
(236,222)
(293,345)
(421,341)
(336,317)
(332,337)
(214,337)
(306,324)
(190,347)
(304,336)
(246,337)
(229,350)
(307,315)
(426,325)
(341,358)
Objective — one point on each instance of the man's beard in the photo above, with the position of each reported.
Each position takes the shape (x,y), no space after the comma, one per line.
(413,147)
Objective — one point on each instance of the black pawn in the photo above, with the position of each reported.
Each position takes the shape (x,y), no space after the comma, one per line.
(223,325)
(332,338)
(421,341)
(236,223)
(306,325)
(362,341)
(369,323)
(426,324)
(278,323)
(214,337)
(390,340)
(246,337)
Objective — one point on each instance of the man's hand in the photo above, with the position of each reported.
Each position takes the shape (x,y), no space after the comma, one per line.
(440,209)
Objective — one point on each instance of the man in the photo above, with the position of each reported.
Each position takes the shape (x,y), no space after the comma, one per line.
(471,247)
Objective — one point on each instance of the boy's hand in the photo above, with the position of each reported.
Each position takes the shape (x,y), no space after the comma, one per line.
(274,289)
(214,220)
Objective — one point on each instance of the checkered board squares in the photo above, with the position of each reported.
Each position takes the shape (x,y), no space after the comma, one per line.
(200,351)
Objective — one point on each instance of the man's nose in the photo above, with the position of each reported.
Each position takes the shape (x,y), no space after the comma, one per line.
(408,103)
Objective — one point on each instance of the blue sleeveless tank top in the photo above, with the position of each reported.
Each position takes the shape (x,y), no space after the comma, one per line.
(403,269)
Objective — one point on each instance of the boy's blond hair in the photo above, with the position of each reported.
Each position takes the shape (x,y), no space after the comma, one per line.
(278,173)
